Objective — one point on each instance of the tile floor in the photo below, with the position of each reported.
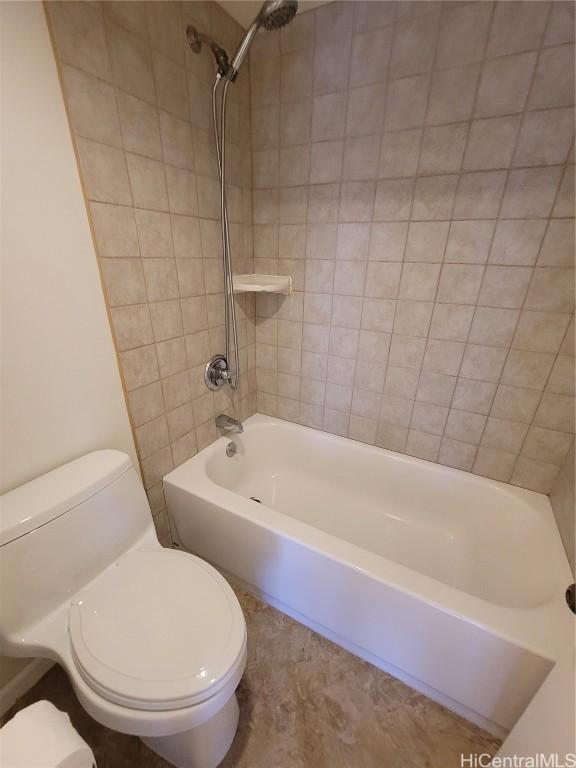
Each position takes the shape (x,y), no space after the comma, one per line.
(304,703)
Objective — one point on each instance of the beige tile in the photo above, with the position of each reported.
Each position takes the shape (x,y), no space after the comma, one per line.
(146,403)
(132,326)
(395,410)
(517,27)
(362,429)
(435,388)
(180,421)
(336,422)
(558,248)
(387,241)
(166,319)
(562,380)
(115,231)
(452,95)
(443,148)
(79,36)
(296,76)
(530,192)
(422,445)
(331,67)
(413,317)
(186,237)
(554,79)
(91,106)
(551,290)
(165,26)
(429,418)
(494,327)
(176,141)
(400,382)
(504,287)
(479,195)
(294,167)
(493,463)
(527,369)
(131,62)
(407,351)
(504,85)
(406,103)
(370,56)
(318,308)
(353,241)
(426,241)
(491,143)
(323,203)
(373,346)
(560,24)
(464,426)
(504,435)
(473,396)
(414,46)
(293,205)
(443,356)
(382,279)
(182,191)
(326,162)
(463,35)
(547,445)
(365,111)
(515,404)
(419,281)
(156,466)
(393,200)
(482,363)
(540,331)
(399,153)
(460,283)
(104,172)
(349,278)
(140,126)
(454,453)
(434,197)
(517,242)
(340,371)
(171,90)
(139,367)
(148,182)
(197,348)
(391,436)
(556,412)
(132,15)
(469,242)
(171,356)
(545,138)
(176,392)
(123,281)
(357,201)
(161,279)
(361,158)
(151,437)
(154,234)
(534,475)
(451,322)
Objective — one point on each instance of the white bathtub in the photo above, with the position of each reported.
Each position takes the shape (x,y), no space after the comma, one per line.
(449,581)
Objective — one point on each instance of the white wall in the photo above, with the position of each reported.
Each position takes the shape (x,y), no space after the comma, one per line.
(60,389)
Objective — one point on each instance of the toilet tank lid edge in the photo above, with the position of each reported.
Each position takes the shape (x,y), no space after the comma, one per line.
(45,498)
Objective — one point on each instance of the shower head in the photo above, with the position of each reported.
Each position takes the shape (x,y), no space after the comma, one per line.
(274,14)
(195,40)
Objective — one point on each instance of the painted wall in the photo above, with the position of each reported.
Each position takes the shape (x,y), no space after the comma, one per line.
(413,170)
(139,103)
(60,389)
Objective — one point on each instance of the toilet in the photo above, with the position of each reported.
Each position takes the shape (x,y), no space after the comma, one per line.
(153,639)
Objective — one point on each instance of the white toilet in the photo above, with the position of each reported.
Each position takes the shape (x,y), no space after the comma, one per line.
(153,640)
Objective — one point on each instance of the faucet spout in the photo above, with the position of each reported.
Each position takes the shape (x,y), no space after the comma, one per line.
(228,424)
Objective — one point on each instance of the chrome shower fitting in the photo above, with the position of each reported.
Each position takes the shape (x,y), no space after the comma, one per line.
(274,14)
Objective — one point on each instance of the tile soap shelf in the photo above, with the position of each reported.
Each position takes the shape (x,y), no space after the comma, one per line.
(262,283)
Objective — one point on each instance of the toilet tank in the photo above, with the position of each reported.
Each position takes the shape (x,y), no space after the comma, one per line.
(60,530)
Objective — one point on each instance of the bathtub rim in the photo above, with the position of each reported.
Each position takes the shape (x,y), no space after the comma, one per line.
(544,629)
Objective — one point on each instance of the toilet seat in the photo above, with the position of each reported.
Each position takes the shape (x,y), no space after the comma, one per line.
(158,630)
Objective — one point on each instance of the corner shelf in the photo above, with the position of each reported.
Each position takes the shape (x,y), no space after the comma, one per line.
(262,283)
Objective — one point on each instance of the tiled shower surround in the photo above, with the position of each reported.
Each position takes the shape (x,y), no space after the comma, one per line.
(413,170)
(409,164)
(139,103)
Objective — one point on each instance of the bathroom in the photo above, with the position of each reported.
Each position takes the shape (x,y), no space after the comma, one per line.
(345,383)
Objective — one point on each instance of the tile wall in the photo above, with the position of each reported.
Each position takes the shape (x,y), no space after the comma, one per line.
(139,104)
(413,170)
(564,505)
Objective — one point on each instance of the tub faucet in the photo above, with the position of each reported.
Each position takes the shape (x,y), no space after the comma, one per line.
(228,423)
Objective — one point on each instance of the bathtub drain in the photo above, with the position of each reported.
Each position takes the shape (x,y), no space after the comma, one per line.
(253,498)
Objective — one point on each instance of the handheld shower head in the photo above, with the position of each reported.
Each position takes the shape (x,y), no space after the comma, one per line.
(274,14)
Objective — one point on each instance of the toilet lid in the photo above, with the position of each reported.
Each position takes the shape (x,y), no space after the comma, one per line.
(158,630)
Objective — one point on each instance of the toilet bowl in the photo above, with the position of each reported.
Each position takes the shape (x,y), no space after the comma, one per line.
(153,639)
